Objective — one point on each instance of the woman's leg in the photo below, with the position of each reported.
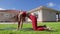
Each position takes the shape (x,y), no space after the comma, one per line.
(34,24)
(42,28)
(34,21)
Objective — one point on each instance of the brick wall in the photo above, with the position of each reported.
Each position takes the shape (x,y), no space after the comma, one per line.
(8,15)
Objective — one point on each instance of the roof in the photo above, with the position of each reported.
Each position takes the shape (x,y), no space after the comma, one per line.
(10,11)
(43,8)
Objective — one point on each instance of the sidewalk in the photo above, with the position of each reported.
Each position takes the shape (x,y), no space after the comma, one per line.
(8,22)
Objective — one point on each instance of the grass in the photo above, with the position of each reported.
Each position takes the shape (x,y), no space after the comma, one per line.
(10,28)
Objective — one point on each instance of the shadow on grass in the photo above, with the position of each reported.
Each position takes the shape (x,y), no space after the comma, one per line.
(26,29)
(23,29)
(7,28)
(53,31)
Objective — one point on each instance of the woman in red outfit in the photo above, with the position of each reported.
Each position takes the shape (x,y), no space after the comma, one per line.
(33,18)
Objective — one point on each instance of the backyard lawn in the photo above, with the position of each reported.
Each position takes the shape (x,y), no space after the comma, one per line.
(27,28)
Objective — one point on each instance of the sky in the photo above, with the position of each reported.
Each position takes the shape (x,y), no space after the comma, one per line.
(27,5)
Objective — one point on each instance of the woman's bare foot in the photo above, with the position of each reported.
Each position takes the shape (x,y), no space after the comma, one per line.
(49,29)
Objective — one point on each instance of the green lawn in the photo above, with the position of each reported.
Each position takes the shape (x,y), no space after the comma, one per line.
(10,28)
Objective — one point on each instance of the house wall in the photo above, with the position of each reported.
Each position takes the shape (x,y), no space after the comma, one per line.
(39,15)
(48,15)
(45,15)
(8,16)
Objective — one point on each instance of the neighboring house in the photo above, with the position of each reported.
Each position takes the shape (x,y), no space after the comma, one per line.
(45,14)
(8,15)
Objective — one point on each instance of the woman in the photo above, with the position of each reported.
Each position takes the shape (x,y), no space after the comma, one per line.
(21,18)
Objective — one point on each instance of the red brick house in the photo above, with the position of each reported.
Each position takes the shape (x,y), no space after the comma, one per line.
(8,15)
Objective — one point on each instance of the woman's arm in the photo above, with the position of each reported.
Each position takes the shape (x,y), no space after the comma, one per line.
(20,20)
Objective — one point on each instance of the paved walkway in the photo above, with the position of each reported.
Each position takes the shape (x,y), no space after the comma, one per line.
(11,22)
(8,22)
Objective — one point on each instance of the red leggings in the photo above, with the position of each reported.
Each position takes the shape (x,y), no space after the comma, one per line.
(34,23)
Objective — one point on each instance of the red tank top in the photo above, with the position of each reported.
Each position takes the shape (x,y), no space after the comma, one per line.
(24,14)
